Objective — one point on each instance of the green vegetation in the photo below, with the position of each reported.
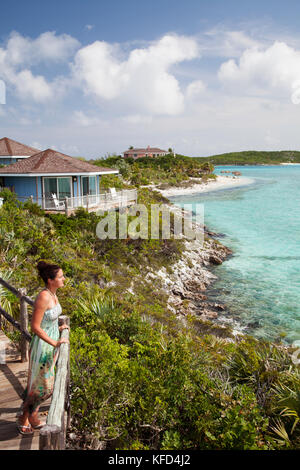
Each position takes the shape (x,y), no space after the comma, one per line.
(140,378)
(252,157)
(169,170)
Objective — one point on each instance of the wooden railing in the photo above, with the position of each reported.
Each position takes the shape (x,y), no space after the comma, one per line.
(21,325)
(53,434)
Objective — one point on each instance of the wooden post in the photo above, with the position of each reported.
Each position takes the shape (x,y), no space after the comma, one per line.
(24,326)
(65,320)
(49,437)
(66,207)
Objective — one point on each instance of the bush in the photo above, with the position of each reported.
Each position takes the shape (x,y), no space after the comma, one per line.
(136,386)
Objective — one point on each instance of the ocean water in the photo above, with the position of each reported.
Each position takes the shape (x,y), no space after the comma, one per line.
(260,283)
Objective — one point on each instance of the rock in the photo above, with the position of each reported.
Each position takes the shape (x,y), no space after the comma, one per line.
(219,306)
(189,277)
(214,259)
(254,324)
(209,315)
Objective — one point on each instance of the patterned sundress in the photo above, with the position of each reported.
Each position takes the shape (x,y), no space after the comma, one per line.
(42,360)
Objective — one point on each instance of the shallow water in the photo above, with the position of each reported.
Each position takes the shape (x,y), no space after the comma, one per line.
(260,283)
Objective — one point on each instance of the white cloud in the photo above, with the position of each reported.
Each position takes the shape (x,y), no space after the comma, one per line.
(143,81)
(223,43)
(33,87)
(195,89)
(270,71)
(20,53)
(46,47)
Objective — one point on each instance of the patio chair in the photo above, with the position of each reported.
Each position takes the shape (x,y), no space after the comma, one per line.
(113,193)
(58,204)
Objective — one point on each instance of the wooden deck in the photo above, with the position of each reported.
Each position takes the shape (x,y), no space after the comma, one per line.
(13,380)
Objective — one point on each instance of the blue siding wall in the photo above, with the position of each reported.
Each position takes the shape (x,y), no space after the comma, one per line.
(24,186)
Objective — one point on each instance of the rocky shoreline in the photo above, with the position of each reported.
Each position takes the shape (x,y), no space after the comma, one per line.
(186,285)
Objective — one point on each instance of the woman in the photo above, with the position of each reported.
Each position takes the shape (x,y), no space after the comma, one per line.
(44,347)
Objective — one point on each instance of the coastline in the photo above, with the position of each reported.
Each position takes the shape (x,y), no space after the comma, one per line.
(222,182)
(188,281)
(191,276)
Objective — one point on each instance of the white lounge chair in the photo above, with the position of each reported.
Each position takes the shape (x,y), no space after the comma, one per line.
(58,204)
(113,193)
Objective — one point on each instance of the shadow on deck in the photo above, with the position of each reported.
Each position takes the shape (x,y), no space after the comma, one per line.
(13,380)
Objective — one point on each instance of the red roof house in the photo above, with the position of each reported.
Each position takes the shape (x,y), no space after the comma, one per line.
(147,152)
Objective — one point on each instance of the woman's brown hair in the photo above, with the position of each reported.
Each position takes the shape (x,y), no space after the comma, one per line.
(47,270)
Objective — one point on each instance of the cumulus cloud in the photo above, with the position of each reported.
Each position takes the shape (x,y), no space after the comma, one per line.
(32,87)
(46,47)
(21,52)
(274,69)
(143,81)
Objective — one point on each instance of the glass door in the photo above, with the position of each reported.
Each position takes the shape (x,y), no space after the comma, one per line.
(50,187)
(60,187)
(88,185)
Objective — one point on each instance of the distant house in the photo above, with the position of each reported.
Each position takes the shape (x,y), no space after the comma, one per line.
(147,152)
(12,151)
(59,182)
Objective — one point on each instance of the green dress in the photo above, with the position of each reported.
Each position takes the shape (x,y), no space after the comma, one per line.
(42,360)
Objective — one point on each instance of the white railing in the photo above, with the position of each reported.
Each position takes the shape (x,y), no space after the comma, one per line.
(104,201)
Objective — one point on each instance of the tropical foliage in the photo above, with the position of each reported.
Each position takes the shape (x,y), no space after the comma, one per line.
(168,169)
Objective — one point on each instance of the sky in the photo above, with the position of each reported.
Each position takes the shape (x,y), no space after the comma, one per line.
(91,78)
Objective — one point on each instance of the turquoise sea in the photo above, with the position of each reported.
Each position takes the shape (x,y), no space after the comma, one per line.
(260,283)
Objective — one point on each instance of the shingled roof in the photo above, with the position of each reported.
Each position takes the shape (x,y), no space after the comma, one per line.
(50,161)
(12,148)
(145,150)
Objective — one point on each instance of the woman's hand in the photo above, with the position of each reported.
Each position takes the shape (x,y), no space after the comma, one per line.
(60,341)
(63,327)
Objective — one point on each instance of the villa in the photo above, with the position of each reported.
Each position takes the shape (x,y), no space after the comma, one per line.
(147,152)
(58,182)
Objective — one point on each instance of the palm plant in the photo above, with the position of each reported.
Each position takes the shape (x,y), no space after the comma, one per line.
(287,395)
(6,297)
(97,304)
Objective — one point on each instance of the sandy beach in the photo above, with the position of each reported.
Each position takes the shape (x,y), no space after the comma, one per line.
(222,182)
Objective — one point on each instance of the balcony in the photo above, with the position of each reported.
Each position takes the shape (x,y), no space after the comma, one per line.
(106,201)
